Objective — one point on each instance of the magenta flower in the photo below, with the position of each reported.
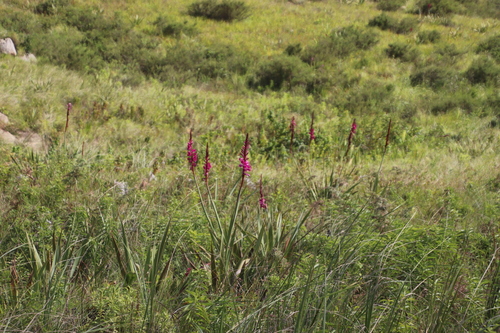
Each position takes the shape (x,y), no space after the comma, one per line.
(311,130)
(244,163)
(354,126)
(292,126)
(192,155)
(262,200)
(207,166)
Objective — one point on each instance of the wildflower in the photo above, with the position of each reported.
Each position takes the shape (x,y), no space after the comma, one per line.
(192,155)
(311,130)
(262,200)
(244,163)
(207,166)
(354,126)
(292,126)
(388,134)
(69,107)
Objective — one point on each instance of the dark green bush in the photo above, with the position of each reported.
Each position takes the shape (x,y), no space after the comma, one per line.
(386,22)
(428,36)
(402,51)
(50,7)
(491,46)
(439,7)
(369,96)
(167,27)
(432,76)
(293,49)
(383,22)
(340,43)
(281,72)
(483,71)
(390,5)
(183,64)
(227,10)
(443,104)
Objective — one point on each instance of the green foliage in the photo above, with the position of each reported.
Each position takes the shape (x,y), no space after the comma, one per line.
(432,76)
(168,27)
(282,72)
(226,10)
(390,5)
(440,7)
(491,46)
(402,51)
(428,36)
(386,22)
(340,43)
(483,71)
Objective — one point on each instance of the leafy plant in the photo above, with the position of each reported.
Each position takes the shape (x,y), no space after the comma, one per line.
(402,51)
(428,36)
(226,10)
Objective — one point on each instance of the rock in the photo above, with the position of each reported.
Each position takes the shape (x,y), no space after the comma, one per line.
(7,46)
(28,57)
(7,137)
(4,120)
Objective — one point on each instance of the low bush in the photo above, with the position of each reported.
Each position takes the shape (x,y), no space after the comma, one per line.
(340,43)
(464,102)
(167,27)
(227,10)
(439,7)
(390,5)
(432,76)
(386,22)
(281,73)
(491,46)
(428,36)
(402,51)
(483,71)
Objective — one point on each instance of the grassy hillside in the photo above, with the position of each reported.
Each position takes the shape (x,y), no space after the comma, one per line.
(385,220)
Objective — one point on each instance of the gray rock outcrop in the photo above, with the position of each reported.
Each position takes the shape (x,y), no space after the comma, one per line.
(7,46)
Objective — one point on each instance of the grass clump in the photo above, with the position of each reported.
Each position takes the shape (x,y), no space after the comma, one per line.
(281,73)
(428,36)
(168,27)
(340,43)
(227,10)
(483,71)
(390,5)
(403,51)
(491,46)
(439,7)
(386,22)
(432,76)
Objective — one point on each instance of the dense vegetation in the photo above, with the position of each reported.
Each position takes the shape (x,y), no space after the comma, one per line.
(342,170)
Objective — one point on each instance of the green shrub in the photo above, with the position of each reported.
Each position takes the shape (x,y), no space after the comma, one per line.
(491,46)
(293,49)
(483,71)
(383,22)
(390,5)
(464,102)
(402,51)
(369,96)
(439,7)
(340,43)
(386,22)
(50,7)
(167,27)
(428,36)
(227,10)
(431,76)
(281,72)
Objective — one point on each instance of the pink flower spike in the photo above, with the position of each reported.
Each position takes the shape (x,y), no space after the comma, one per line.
(192,155)
(311,130)
(244,163)
(262,200)
(207,166)
(293,124)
